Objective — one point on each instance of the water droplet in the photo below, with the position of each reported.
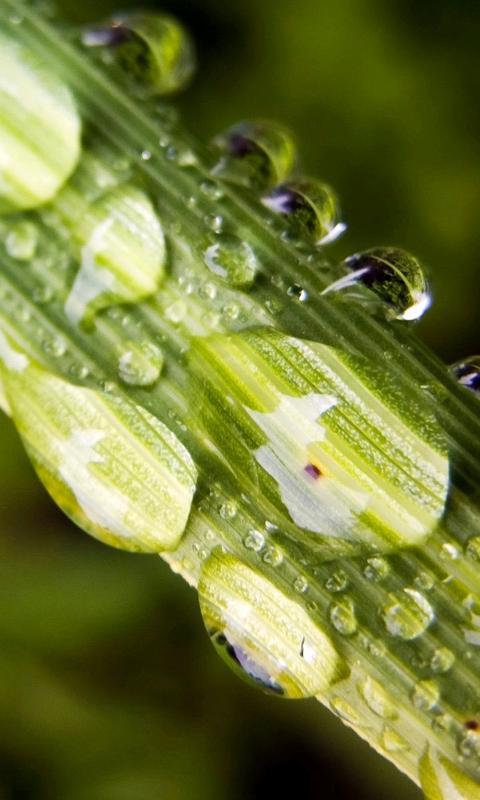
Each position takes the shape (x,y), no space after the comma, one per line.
(22,240)
(140,364)
(310,209)
(448,552)
(255,154)
(342,616)
(55,347)
(344,710)
(111,466)
(393,275)
(300,584)
(472,548)
(211,190)
(467,373)
(153,50)
(442,660)
(376,698)
(267,638)
(254,540)
(376,569)
(337,582)
(42,295)
(469,744)
(146,155)
(297,291)
(425,695)
(407,615)
(272,555)
(118,230)
(393,742)
(232,260)
(228,509)
(215,222)
(424,582)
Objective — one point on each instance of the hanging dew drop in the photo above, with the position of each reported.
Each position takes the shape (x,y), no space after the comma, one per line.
(232,260)
(22,241)
(467,373)
(153,50)
(394,276)
(264,636)
(140,364)
(310,210)
(255,154)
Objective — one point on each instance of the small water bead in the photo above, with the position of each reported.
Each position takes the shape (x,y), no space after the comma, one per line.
(255,154)
(298,292)
(344,710)
(140,364)
(376,698)
(300,584)
(266,637)
(42,295)
(448,552)
(232,260)
(55,347)
(154,51)
(376,569)
(272,555)
(424,582)
(472,548)
(467,373)
(310,209)
(393,742)
(407,615)
(468,744)
(394,276)
(425,695)
(442,660)
(342,616)
(22,240)
(254,540)
(228,509)
(211,190)
(215,222)
(337,582)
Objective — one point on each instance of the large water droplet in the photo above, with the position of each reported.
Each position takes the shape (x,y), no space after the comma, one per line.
(393,275)
(111,466)
(118,231)
(267,638)
(153,50)
(140,364)
(256,154)
(232,260)
(407,615)
(310,209)
(22,240)
(467,373)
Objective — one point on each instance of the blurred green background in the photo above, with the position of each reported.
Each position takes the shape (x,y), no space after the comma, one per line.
(109,688)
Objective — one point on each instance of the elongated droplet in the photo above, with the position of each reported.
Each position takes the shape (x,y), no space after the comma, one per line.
(154,50)
(255,154)
(396,278)
(407,615)
(113,468)
(140,364)
(310,209)
(39,130)
(122,250)
(467,373)
(232,260)
(441,779)
(267,638)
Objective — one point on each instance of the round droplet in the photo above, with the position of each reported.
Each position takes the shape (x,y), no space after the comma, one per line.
(425,695)
(140,364)
(376,698)
(467,373)
(153,50)
(232,260)
(22,240)
(255,154)
(298,292)
(448,552)
(442,660)
(393,742)
(472,548)
(407,615)
(300,584)
(254,540)
(228,509)
(337,582)
(266,637)
(393,275)
(273,556)
(376,569)
(310,209)
(342,616)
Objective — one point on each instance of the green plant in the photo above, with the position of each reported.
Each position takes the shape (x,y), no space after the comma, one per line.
(191,376)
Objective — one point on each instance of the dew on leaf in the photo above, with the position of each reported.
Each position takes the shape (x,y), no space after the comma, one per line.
(140,363)
(255,154)
(407,615)
(342,616)
(310,210)
(22,240)
(232,260)
(467,373)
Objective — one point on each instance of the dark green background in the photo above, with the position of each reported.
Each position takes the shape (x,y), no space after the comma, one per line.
(109,688)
